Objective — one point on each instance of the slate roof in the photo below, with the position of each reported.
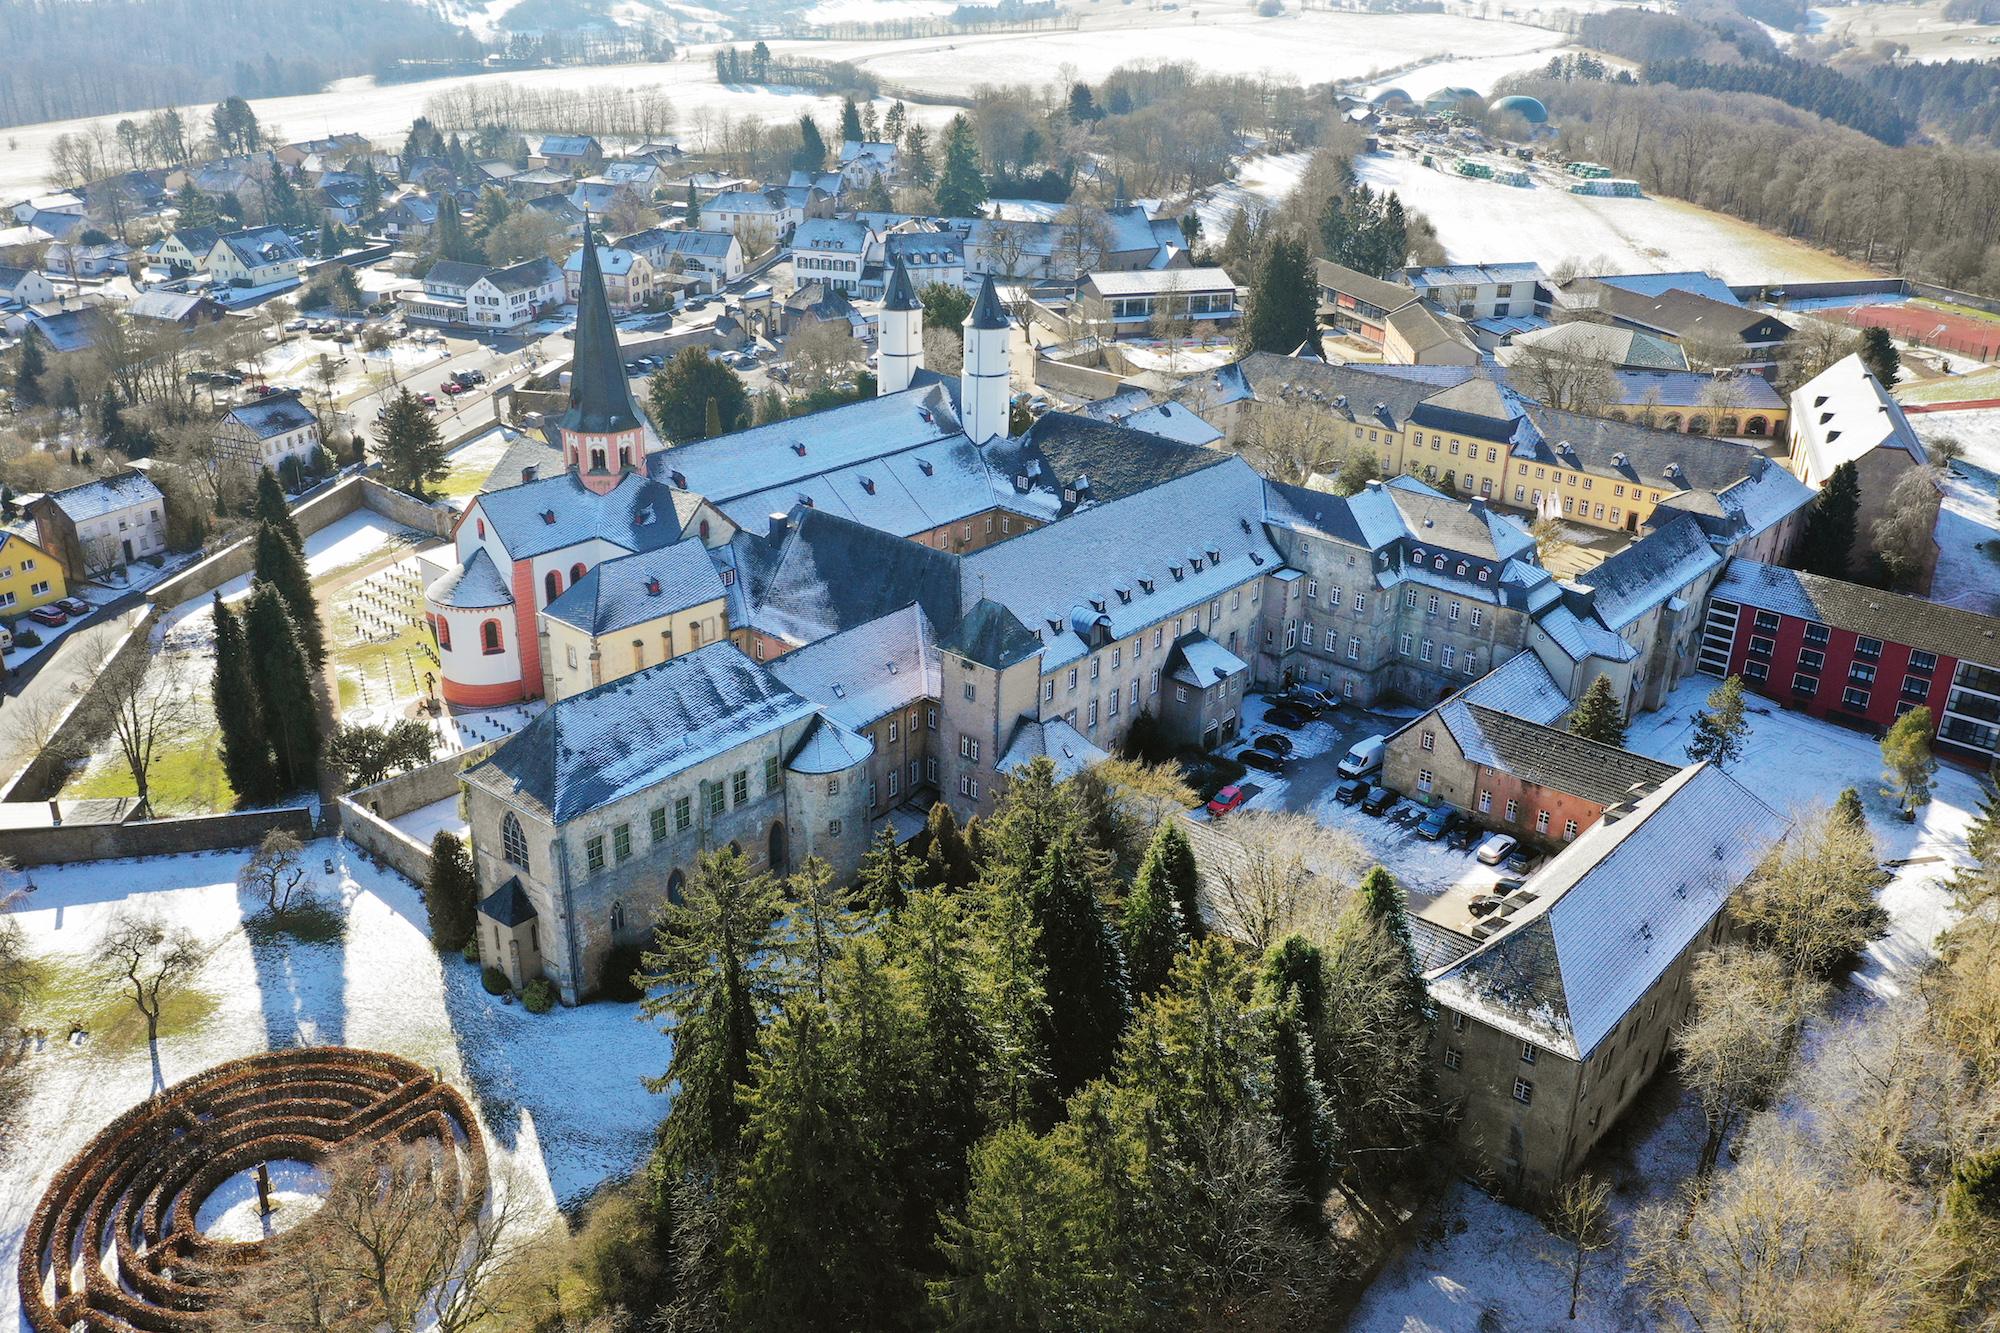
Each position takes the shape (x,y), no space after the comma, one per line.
(1627,348)
(1844,412)
(584,752)
(1700,463)
(1521,686)
(1741,395)
(1551,757)
(274,415)
(526,275)
(455,273)
(1477,406)
(987,312)
(1200,661)
(1681,314)
(1627,585)
(1377,292)
(1889,616)
(508,905)
(1372,396)
(808,588)
(831,235)
(900,294)
(1657,284)
(559,511)
(600,397)
(865,673)
(1424,330)
(1117,460)
(993,636)
(1579,635)
(107,495)
(828,747)
(1065,746)
(1614,910)
(473,585)
(630,590)
(262,245)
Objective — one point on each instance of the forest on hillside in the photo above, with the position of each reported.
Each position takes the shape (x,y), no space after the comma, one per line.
(66,59)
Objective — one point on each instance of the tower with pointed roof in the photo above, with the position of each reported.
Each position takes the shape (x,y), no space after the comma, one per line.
(902,346)
(983,388)
(603,434)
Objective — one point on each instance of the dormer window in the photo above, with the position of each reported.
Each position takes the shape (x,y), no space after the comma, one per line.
(549,517)
(1482,575)
(1178,570)
(1460,571)
(1195,560)
(1214,556)
(924,466)
(1124,596)
(652,587)
(799,448)
(1145,585)
(1097,605)
(1438,563)
(868,485)
(679,479)
(1418,555)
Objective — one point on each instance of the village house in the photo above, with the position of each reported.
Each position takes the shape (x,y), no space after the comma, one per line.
(830,251)
(24,287)
(29,575)
(1845,415)
(628,277)
(186,249)
(1137,304)
(77,259)
(570,152)
(631,612)
(258,257)
(269,432)
(862,162)
(102,525)
(713,257)
(1478,291)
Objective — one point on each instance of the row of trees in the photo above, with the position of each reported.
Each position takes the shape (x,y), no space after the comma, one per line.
(1011,1081)
(266,663)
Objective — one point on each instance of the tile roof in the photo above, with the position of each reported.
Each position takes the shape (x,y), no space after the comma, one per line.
(630,590)
(584,752)
(1889,616)
(276,414)
(1614,910)
(1551,757)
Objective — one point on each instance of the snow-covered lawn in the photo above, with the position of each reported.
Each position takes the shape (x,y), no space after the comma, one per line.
(1484,222)
(1976,429)
(1968,567)
(353,540)
(1476,1270)
(1262,182)
(427,821)
(558,1095)
(1479,72)
(471,463)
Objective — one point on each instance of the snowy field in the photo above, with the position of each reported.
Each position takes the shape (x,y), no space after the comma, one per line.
(1976,429)
(1261,183)
(1483,222)
(427,821)
(1477,1268)
(1478,73)
(558,1095)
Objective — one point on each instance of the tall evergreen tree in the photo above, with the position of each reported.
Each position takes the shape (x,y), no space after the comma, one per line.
(1597,716)
(850,122)
(448,238)
(274,508)
(451,894)
(934,951)
(282,674)
(1284,301)
(1084,971)
(1720,727)
(111,420)
(29,370)
(1151,927)
(693,207)
(1847,809)
(1305,1125)
(1173,862)
(947,861)
(1879,354)
(1827,544)
(886,874)
(410,446)
(280,565)
(961,189)
(811,154)
(1013,1003)
(681,391)
(246,746)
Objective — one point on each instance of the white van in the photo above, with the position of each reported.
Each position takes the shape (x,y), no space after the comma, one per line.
(1365,758)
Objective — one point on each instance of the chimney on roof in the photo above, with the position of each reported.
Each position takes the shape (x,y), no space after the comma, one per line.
(1374,483)
(781,523)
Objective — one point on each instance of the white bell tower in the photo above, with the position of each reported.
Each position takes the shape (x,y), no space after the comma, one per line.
(902,349)
(983,387)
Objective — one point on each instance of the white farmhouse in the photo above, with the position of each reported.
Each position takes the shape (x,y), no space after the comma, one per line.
(257,257)
(833,251)
(506,298)
(102,524)
(265,433)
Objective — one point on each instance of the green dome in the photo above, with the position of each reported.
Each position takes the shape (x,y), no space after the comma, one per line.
(1527,108)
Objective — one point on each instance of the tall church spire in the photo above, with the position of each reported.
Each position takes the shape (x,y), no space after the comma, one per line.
(600,399)
(983,393)
(902,326)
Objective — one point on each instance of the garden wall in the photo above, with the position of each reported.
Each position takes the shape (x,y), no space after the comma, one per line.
(152,837)
(365,814)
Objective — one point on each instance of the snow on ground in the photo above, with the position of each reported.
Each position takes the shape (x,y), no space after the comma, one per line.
(1186,358)
(427,821)
(1976,429)
(1261,183)
(1476,1267)
(233,1210)
(1478,73)
(355,539)
(558,1095)
(1966,572)
(1484,222)
(472,463)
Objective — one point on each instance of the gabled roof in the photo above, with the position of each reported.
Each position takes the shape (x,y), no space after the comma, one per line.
(1664,460)
(1424,330)
(600,397)
(262,245)
(1889,616)
(1379,292)
(1200,661)
(590,749)
(554,512)
(992,636)
(630,590)
(1621,347)
(1116,460)
(526,275)
(1061,743)
(1844,412)
(276,414)
(859,675)
(812,584)
(1627,585)
(1551,757)
(1613,911)
(455,273)
(106,495)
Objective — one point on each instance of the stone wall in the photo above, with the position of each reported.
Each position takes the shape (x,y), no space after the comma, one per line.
(152,837)
(366,814)
(77,731)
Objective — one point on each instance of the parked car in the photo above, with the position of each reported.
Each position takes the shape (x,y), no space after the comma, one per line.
(1521,861)
(1378,800)
(1260,759)
(1350,792)
(1276,744)
(429,400)
(1496,849)
(1286,718)
(1440,821)
(1235,794)
(49,615)
(76,606)
(1364,758)
(1409,815)
(451,388)
(632,368)
(1463,837)
(1308,696)
(472,376)
(262,390)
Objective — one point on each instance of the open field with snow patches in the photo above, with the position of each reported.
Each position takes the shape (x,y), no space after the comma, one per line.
(558,1095)
(1477,1267)
(1482,222)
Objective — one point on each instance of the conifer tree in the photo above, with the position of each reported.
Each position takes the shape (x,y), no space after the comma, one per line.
(886,874)
(273,508)
(1719,729)
(1847,809)
(933,949)
(1173,862)
(279,564)
(448,238)
(948,862)
(811,154)
(1305,1126)
(1084,971)
(451,894)
(246,748)
(410,446)
(1879,354)
(961,189)
(1284,302)
(1013,1002)
(1153,934)
(281,671)
(1826,545)
(693,207)
(850,121)
(821,923)
(1597,716)
(28,371)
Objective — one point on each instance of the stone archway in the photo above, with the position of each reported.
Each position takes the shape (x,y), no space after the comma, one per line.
(775,846)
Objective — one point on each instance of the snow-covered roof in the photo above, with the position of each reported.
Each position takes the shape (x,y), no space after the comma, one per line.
(1162,282)
(108,495)
(473,585)
(868,672)
(1622,347)
(275,415)
(836,235)
(1580,636)
(1915,622)
(1659,284)
(610,258)
(1520,686)
(631,590)
(1471,275)
(1613,910)
(552,513)
(741,201)
(1844,412)
(584,752)
(1649,571)
(1064,745)
(262,245)
(1200,661)
(829,747)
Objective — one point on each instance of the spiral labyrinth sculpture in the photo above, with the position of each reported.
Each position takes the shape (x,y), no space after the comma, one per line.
(137,1187)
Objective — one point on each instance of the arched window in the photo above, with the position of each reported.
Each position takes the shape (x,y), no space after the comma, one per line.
(1671,421)
(481,525)
(576,571)
(1755,426)
(551,585)
(1728,426)
(1698,424)
(443,632)
(704,529)
(489,637)
(513,842)
(674,883)
(617,918)
(777,847)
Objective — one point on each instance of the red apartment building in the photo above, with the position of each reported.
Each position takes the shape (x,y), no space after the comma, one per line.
(1858,656)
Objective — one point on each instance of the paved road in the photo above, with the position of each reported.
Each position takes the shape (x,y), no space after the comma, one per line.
(30,704)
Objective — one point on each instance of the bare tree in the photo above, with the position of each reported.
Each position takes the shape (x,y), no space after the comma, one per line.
(1814,345)
(276,870)
(1813,903)
(1082,236)
(1578,1216)
(1569,373)
(1287,441)
(944,351)
(399,1243)
(1739,1037)
(150,960)
(1172,323)
(145,714)
(1279,875)
(1903,534)
(823,354)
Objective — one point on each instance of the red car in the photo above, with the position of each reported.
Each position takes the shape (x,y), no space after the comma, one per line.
(263,390)
(1235,794)
(451,387)
(49,615)
(430,401)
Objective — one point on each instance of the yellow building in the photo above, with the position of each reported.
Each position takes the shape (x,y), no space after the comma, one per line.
(29,576)
(631,613)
